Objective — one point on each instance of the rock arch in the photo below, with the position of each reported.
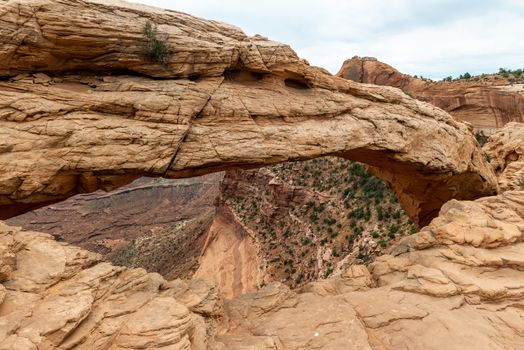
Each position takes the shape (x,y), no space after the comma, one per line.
(103,115)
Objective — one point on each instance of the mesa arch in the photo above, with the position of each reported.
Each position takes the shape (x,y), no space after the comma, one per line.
(103,115)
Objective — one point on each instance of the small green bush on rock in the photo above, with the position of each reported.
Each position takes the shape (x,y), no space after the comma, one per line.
(156,49)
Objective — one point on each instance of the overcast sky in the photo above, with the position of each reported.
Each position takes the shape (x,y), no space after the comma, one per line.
(433,38)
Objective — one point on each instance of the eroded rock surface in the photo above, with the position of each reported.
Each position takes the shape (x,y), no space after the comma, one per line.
(59,296)
(506,151)
(458,283)
(225,100)
(487,104)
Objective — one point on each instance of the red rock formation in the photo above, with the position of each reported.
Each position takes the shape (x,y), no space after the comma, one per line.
(486,104)
(456,284)
(226,101)
(157,224)
(505,148)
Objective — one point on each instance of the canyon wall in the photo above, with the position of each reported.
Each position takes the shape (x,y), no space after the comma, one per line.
(488,103)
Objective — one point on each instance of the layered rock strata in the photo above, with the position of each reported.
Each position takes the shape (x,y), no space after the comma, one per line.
(505,150)
(219,100)
(487,103)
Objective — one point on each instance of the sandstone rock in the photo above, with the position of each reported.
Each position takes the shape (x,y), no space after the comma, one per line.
(487,105)
(355,277)
(201,296)
(444,290)
(506,151)
(59,296)
(439,289)
(229,256)
(227,100)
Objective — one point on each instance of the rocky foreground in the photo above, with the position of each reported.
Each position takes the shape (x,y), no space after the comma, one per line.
(105,113)
(458,283)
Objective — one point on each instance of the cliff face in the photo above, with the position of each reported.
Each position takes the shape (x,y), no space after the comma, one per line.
(487,103)
(157,224)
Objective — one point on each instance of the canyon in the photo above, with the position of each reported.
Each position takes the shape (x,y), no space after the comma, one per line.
(293,223)
(456,283)
(307,254)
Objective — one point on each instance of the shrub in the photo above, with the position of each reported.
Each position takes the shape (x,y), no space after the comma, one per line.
(328,272)
(481,137)
(393,229)
(156,49)
(521,183)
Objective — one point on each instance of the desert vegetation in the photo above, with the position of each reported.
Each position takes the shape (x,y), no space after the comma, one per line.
(481,138)
(337,214)
(512,75)
(156,49)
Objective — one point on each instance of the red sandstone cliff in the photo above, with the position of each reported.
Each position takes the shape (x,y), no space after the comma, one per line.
(486,103)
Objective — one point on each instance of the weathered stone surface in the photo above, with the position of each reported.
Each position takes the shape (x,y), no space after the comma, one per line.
(226,100)
(488,104)
(60,296)
(506,151)
(459,283)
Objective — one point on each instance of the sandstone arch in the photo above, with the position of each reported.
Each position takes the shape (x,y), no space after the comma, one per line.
(223,100)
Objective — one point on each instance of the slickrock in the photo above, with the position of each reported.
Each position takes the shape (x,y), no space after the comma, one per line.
(506,151)
(486,104)
(56,295)
(224,100)
(458,283)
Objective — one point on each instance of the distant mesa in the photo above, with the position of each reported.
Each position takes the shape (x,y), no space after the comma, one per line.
(488,103)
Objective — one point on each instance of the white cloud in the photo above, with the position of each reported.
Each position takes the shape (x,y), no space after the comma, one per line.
(433,38)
